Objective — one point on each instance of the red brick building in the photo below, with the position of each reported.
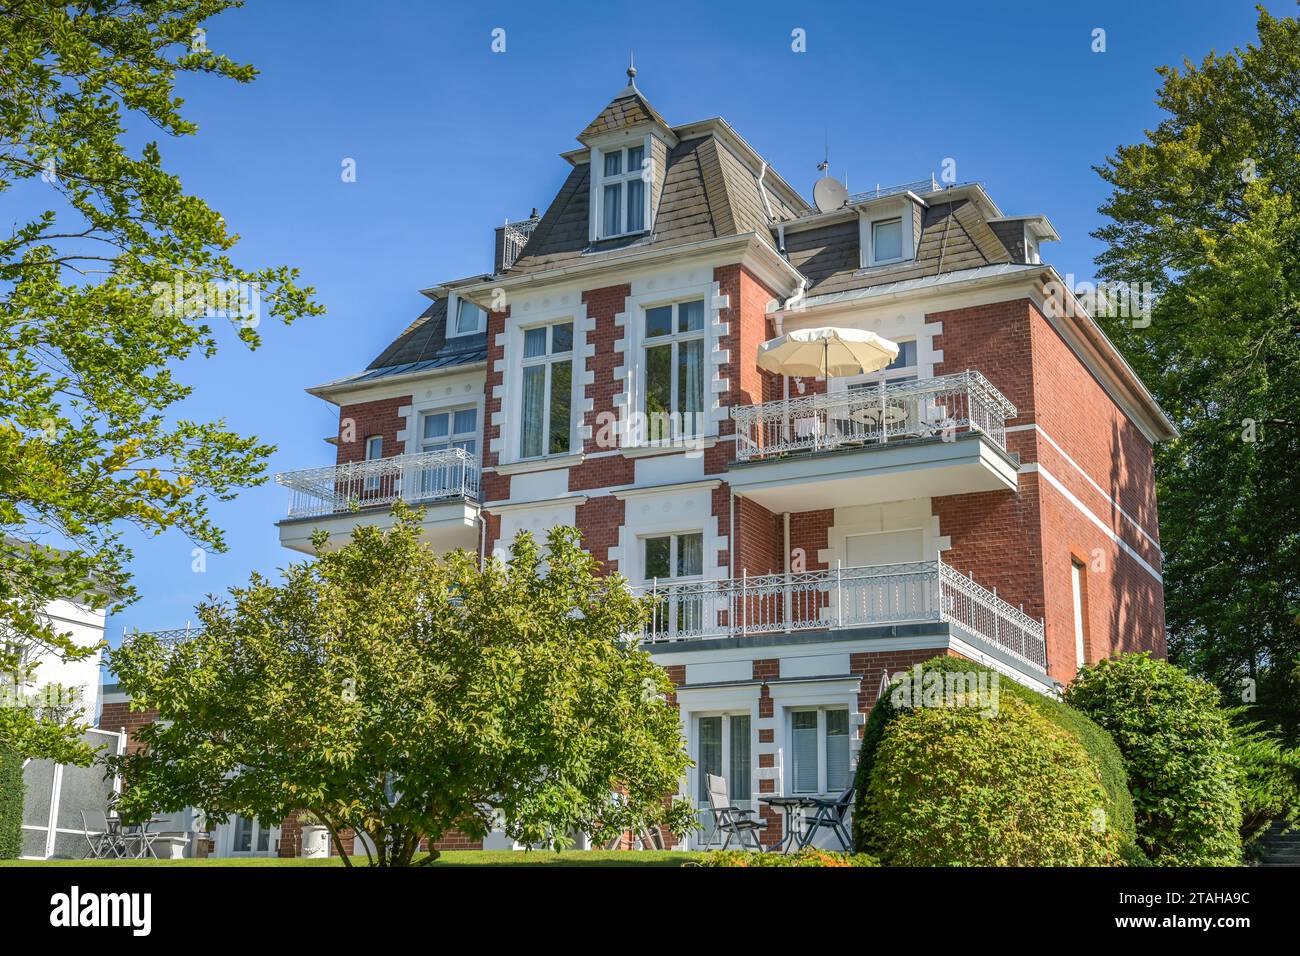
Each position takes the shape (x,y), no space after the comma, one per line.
(989,494)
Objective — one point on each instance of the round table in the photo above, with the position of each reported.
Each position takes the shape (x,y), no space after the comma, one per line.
(871,414)
(791,807)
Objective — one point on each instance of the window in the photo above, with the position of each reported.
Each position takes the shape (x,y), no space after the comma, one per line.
(622,192)
(249,837)
(674,370)
(819,750)
(546,426)
(887,240)
(374,451)
(901,369)
(450,428)
(674,556)
(1080,634)
(667,558)
(469,318)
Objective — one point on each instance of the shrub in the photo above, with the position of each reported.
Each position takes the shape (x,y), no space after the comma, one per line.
(1268,778)
(952,786)
(1096,741)
(808,857)
(1176,744)
(11,806)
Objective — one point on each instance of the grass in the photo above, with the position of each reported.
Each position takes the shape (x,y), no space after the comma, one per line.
(661,858)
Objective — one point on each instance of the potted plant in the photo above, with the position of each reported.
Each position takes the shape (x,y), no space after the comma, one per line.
(315,841)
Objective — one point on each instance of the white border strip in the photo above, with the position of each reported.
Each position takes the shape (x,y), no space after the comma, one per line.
(1036,467)
(1086,477)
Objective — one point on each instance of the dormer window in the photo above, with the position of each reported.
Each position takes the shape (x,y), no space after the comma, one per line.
(886,235)
(466,318)
(621,194)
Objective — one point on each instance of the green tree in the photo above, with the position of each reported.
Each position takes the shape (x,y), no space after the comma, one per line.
(1206,210)
(101,294)
(401,695)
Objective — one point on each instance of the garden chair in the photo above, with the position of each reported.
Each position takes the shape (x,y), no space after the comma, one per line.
(731,820)
(830,815)
(101,838)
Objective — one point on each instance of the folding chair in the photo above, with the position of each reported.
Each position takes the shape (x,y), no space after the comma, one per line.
(830,814)
(101,839)
(731,820)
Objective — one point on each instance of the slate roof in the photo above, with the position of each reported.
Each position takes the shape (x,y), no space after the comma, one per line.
(953,234)
(706,193)
(626,109)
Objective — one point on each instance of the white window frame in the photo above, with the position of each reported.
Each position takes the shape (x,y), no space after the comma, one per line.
(903,373)
(226,839)
(548,359)
(820,710)
(700,782)
(453,318)
(1077,571)
(674,339)
(867,234)
(372,481)
(452,437)
(599,181)
(673,576)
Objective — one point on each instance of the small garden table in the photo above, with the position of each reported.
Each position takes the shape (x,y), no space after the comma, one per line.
(791,806)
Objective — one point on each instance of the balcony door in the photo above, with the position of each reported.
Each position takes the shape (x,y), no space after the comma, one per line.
(722,748)
(889,596)
(247,836)
(440,430)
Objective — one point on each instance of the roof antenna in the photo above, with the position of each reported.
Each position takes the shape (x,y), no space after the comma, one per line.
(631,70)
(825,164)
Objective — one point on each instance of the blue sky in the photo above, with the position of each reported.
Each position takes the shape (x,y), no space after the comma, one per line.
(450,138)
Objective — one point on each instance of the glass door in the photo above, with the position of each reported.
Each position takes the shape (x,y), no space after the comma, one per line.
(723,750)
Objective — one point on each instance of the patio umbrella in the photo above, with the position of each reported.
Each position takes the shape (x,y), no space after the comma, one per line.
(826,352)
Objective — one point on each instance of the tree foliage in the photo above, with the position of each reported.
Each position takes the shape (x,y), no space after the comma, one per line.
(401,695)
(1206,210)
(91,327)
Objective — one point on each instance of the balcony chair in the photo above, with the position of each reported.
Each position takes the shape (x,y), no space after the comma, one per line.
(830,815)
(731,820)
(102,837)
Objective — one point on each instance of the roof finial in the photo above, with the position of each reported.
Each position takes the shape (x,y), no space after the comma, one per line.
(631,70)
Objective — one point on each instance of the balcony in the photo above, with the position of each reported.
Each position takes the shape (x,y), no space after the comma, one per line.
(445,483)
(845,598)
(924,438)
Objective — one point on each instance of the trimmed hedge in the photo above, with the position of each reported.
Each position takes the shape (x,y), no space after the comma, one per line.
(1095,740)
(11,806)
(1177,747)
(953,786)
(804,858)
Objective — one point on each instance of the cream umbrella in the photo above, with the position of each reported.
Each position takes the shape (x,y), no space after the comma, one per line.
(826,352)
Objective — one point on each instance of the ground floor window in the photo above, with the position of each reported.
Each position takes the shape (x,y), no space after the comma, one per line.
(819,750)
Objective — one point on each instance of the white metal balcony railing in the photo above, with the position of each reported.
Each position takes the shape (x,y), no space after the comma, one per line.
(916,186)
(515,237)
(821,600)
(337,489)
(840,598)
(926,408)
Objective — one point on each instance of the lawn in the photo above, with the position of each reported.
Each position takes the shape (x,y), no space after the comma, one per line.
(448,858)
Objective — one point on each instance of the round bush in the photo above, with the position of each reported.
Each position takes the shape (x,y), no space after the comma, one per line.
(1105,754)
(955,786)
(11,806)
(1176,743)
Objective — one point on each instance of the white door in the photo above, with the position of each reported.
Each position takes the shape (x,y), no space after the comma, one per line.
(886,547)
(873,598)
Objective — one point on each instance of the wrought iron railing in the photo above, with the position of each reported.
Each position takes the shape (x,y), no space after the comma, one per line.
(168,637)
(514,237)
(916,186)
(840,598)
(938,407)
(431,476)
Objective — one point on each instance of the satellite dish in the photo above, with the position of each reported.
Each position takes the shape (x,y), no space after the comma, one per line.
(829,194)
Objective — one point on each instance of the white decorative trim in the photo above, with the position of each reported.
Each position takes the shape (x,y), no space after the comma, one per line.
(1036,467)
(1034,426)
